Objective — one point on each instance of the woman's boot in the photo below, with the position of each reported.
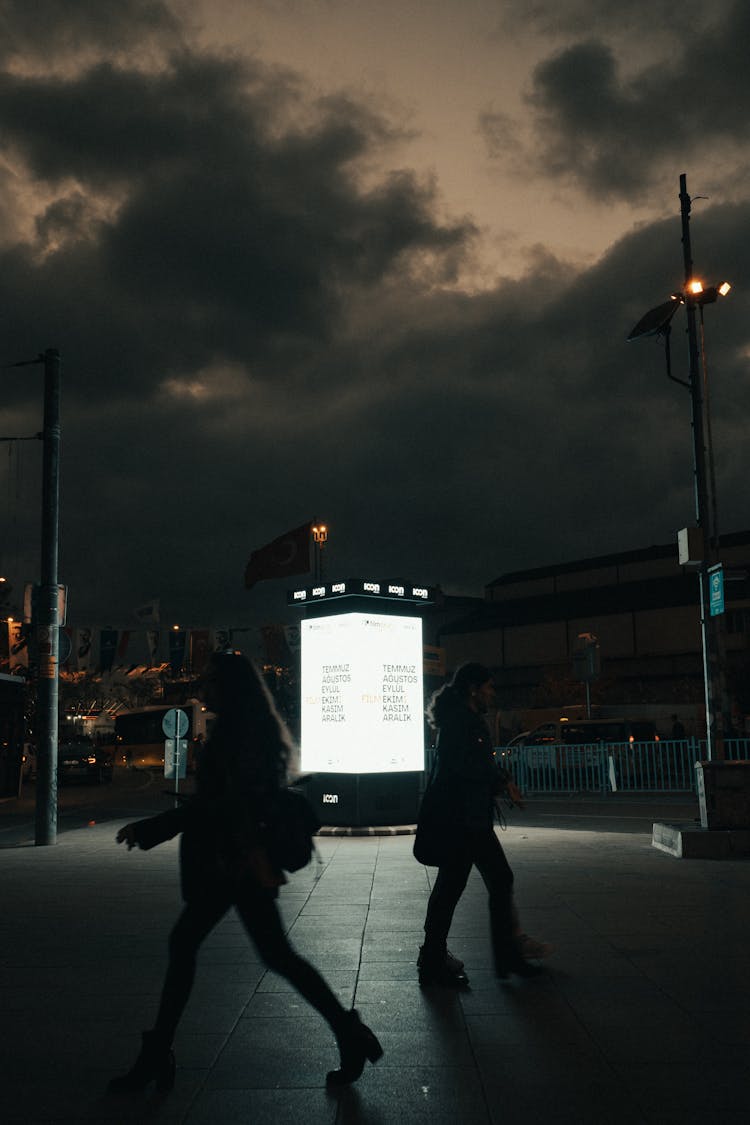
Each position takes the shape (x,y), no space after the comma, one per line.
(155,1063)
(356,1044)
(532,947)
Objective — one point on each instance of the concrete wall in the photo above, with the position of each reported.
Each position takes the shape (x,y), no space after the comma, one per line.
(662,631)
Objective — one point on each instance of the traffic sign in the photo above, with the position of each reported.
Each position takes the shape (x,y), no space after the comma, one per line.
(175,723)
(716,589)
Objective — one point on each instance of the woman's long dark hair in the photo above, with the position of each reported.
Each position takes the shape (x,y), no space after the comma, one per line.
(247,725)
(466,677)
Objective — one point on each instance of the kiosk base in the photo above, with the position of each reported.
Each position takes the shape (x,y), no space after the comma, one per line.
(354,799)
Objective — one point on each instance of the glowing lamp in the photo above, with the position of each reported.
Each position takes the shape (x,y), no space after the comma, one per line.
(701,295)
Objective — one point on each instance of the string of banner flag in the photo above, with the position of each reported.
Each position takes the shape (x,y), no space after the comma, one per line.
(102,649)
(93,649)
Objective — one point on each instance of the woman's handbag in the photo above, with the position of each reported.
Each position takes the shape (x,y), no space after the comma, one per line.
(432,841)
(290,826)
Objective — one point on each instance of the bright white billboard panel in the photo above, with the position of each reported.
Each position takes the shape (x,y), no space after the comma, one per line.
(362,694)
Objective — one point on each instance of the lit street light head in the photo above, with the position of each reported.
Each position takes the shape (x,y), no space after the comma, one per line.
(708,296)
(656,321)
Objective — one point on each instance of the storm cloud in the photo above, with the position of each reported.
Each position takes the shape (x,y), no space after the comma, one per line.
(264,318)
(614,125)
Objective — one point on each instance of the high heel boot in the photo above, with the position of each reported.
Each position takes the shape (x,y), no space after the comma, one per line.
(356,1044)
(523,968)
(155,1063)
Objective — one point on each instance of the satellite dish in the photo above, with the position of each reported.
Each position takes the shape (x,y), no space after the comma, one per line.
(655,321)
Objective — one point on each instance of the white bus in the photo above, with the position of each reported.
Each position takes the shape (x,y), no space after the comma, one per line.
(139,737)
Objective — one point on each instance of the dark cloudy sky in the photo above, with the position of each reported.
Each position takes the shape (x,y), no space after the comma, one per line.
(367,261)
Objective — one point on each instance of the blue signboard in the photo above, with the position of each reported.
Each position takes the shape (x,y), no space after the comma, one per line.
(716,590)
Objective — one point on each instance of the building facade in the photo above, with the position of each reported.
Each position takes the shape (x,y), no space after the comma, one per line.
(642,606)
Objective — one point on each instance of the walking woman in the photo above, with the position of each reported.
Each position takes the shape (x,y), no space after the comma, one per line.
(466,782)
(223,863)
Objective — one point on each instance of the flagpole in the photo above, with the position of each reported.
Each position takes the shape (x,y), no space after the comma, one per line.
(320,536)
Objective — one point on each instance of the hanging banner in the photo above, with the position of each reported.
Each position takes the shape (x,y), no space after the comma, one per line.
(122,647)
(221,639)
(148,614)
(66,649)
(292,636)
(18,649)
(199,650)
(152,644)
(107,648)
(83,656)
(177,638)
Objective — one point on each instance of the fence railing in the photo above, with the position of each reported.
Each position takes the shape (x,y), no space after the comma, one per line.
(667,766)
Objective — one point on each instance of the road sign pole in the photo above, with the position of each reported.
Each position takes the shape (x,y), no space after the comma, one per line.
(174,725)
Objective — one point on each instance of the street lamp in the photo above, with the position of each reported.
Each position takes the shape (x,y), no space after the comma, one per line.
(658,322)
(320,537)
(702,296)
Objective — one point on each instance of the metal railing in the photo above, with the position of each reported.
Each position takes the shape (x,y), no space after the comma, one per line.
(667,766)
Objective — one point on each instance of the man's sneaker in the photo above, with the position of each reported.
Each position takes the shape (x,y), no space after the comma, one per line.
(443,975)
(530,947)
(453,963)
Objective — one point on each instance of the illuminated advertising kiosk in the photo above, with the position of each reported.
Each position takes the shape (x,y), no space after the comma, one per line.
(362,700)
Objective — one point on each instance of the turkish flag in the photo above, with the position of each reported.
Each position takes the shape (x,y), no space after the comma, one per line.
(289,554)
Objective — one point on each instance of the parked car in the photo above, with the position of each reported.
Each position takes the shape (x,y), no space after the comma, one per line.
(80,759)
(587,732)
(570,747)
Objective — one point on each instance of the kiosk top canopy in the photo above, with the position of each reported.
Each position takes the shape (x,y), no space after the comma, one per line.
(363,588)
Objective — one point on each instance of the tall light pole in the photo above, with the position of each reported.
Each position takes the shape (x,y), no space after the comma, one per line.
(48,613)
(320,537)
(46,605)
(658,322)
(703,513)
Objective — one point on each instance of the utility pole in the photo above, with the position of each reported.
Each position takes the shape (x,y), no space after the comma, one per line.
(48,614)
(712,664)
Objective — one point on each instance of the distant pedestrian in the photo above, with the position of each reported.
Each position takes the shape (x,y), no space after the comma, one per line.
(678,730)
(224,863)
(466,782)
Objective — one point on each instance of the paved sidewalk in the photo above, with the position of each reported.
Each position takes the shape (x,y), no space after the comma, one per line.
(642,1017)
